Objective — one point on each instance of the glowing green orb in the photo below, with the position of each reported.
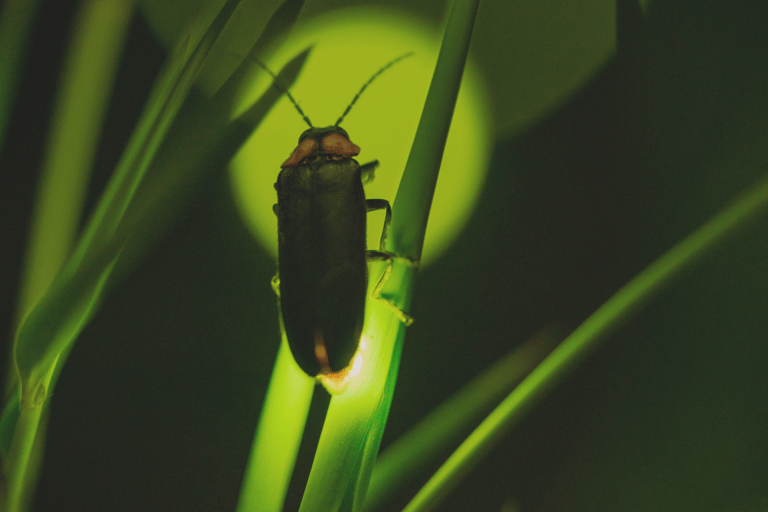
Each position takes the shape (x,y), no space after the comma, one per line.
(350,46)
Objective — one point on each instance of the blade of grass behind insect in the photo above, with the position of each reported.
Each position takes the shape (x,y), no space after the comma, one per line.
(202,141)
(355,421)
(85,285)
(199,145)
(151,131)
(284,412)
(56,320)
(278,435)
(81,101)
(149,214)
(192,159)
(411,454)
(617,310)
(164,85)
(132,209)
(80,107)
(410,210)
(52,325)
(16,19)
(275,33)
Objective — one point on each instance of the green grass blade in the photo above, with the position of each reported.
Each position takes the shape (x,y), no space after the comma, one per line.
(627,301)
(55,321)
(355,421)
(249,22)
(202,141)
(276,31)
(150,133)
(278,436)
(205,149)
(352,418)
(16,19)
(356,496)
(8,420)
(410,209)
(30,351)
(285,78)
(81,105)
(201,147)
(48,331)
(81,283)
(411,454)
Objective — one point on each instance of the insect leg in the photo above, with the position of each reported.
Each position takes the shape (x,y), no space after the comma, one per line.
(381,204)
(276,285)
(367,171)
(383,255)
(376,294)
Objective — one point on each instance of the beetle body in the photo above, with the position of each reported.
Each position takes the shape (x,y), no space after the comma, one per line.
(322,253)
(321,211)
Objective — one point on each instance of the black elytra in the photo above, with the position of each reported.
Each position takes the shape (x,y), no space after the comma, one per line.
(322,252)
(321,218)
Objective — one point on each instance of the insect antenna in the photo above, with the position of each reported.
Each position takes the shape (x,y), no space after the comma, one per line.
(366,84)
(285,91)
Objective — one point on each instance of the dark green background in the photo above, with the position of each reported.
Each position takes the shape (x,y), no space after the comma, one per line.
(156,407)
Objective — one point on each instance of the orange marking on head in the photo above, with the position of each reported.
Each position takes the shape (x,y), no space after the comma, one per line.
(337,144)
(302,151)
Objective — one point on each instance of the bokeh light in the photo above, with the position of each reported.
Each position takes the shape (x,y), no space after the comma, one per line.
(349,46)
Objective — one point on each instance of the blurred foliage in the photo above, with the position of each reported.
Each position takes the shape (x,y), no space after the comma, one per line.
(551,47)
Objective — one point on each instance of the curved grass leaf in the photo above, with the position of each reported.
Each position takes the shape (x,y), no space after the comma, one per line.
(50,328)
(617,310)
(274,35)
(53,325)
(278,436)
(57,318)
(48,331)
(99,35)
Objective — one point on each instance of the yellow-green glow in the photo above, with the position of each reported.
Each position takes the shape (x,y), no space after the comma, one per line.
(337,382)
(277,439)
(348,423)
(349,46)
